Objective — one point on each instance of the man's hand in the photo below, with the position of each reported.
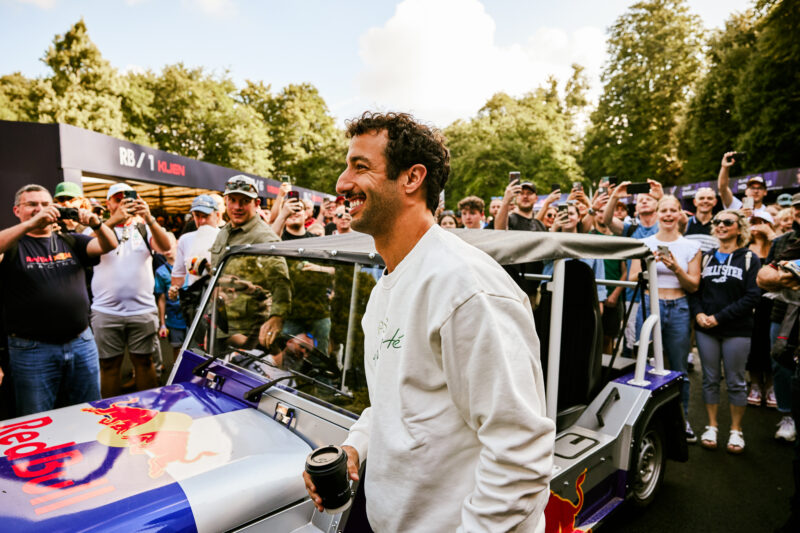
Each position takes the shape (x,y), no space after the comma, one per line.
(599,202)
(352,471)
(46,217)
(122,214)
(291,207)
(87,218)
(656,190)
(787,279)
(284,188)
(140,207)
(173,292)
(512,191)
(269,330)
(728,160)
(579,196)
(621,190)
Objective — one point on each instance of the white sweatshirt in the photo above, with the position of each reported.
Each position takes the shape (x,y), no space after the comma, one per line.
(456,435)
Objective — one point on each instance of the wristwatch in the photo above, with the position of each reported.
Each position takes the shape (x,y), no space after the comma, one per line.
(96,226)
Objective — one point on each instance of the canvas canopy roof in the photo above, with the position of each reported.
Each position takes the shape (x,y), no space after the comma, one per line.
(506,247)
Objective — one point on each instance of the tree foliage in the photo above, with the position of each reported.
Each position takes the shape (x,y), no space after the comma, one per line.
(531,134)
(767,100)
(710,128)
(654,58)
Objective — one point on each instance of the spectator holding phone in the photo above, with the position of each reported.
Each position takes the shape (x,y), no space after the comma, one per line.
(678,267)
(722,309)
(756,186)
(45,304)
(124,311)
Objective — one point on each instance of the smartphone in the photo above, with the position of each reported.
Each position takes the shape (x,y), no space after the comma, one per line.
(129,195)
(638,188)
(441,197)
(555,187)
(286,179)
(612,180)
(513,176)
(604,180)
(737,157)
(293,195)
(577,186)
(602,190)
(747,203)
(563,208)
(663,250)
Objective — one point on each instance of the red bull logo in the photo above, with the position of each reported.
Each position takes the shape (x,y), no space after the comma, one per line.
(162,436)
(560,513)
(32,460)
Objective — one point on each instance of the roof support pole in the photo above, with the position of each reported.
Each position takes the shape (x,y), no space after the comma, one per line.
(556,288)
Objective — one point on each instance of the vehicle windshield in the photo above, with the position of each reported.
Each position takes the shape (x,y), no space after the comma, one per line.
(321,334)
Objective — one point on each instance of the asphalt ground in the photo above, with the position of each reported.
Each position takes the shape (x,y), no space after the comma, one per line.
(715,491)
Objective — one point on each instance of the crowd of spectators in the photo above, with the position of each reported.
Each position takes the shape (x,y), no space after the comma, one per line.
(85,283)
(723,282)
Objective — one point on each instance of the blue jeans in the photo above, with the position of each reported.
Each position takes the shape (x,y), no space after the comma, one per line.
(676,337)
(781,377)
(48,376)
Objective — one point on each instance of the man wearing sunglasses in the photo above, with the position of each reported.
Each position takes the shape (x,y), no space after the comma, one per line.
(246,227)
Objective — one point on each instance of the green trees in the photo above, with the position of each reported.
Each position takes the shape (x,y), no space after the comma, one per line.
(654,51)
(182,110)
(531,134)
(711,129)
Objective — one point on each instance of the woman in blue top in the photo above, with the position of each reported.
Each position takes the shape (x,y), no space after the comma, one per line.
(723,311)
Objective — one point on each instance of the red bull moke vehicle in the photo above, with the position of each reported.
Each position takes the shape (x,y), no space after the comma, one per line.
(223,445)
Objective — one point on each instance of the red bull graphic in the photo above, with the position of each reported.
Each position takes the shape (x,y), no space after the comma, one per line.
(560,513)
(162,436)
(32,460)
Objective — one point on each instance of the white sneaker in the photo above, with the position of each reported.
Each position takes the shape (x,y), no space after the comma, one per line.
(786,429)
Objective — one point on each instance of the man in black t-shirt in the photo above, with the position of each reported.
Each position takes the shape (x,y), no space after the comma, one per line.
(311,288)
(521,219)
(52,353)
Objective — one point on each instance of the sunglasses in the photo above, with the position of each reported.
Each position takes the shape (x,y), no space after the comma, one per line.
(727,222)
(239,185)
(340,215)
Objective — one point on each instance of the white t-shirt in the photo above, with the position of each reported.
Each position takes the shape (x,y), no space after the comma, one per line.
(456,432)
(122,283)
(683,250)
(193,247)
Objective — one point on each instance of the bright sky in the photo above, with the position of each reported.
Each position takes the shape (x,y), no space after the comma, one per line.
(440,59)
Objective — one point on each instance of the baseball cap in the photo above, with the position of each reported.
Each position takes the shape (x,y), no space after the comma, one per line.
(763,214)
(757,179)
(796,198)
(117,188)
(69,189)
(241,184)
(204,204)
(785,200)
(528,185)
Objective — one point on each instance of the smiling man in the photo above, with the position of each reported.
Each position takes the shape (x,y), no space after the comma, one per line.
(456,433)
(246,227)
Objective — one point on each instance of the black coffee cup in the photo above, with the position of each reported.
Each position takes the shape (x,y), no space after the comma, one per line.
(327,467)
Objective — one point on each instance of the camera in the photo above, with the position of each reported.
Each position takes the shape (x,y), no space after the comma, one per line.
(68,213)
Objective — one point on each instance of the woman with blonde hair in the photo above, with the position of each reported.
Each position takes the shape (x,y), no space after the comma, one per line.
(678,271)
(723,311)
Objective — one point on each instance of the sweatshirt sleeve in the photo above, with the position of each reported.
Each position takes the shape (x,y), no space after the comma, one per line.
(358,437)
(741,306)
(490,358)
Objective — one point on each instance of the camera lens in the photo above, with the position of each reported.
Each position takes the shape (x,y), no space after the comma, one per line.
(327,467)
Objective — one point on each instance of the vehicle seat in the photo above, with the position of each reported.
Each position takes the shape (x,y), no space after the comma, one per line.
(581,341)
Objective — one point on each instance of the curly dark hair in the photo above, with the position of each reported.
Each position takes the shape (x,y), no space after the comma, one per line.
(410,143)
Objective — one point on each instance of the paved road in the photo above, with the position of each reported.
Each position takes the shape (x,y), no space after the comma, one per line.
(716,491)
